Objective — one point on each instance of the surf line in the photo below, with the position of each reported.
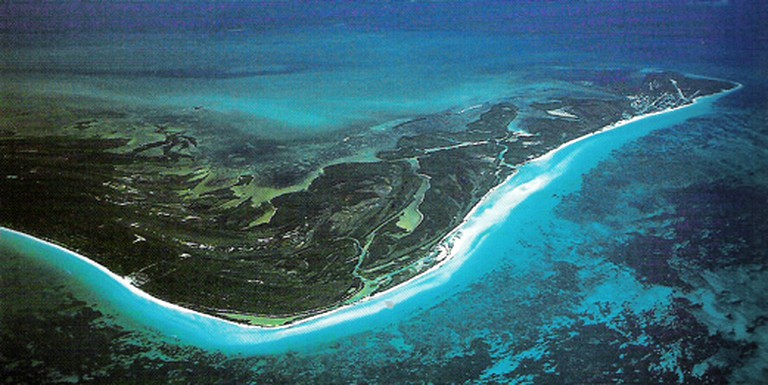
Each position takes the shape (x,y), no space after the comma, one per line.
(456,245)
(451,252)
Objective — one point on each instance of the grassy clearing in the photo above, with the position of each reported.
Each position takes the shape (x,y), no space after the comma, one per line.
(258,320)
(411,217)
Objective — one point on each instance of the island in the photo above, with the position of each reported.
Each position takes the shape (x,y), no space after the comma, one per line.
(267,231)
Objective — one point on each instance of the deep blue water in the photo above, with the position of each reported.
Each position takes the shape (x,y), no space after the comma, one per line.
(643,260)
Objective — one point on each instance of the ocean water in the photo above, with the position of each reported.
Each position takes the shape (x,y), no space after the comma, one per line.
(288,77)
(635,255)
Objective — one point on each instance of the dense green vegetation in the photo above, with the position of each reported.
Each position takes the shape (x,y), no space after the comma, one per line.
(223,222)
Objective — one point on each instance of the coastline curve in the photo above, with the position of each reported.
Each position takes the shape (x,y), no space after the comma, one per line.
(195,328)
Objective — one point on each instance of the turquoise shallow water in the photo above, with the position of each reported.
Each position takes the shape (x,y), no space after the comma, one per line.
(298,83)
(303,81)
(508,217)
(635,256)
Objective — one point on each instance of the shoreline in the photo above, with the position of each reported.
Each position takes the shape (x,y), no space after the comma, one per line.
(454,237)
(455,243)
